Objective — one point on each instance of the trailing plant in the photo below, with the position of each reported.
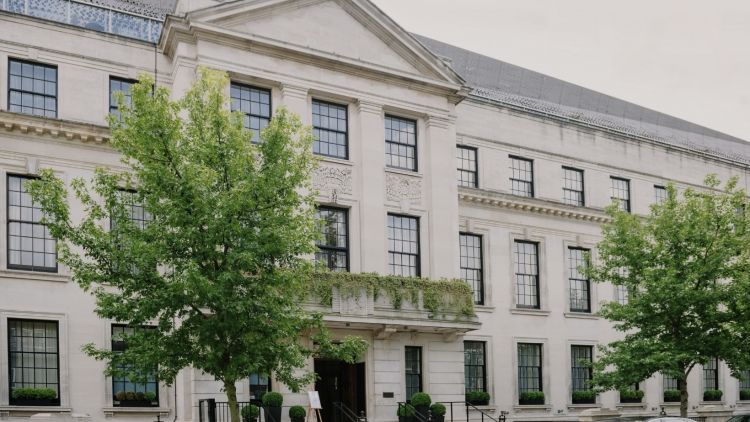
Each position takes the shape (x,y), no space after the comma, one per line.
(272,399)
(437,409)
(296,412)
(34,393)
(671,395)
(478,398)
(712,395)
(149,396)
(405,411)
(439,297)
(420,399)
(251,411)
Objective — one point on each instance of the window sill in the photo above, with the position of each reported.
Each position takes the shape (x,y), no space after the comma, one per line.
(529,311)
(334,160)
(484,308)
(743,402)
(532,407)
(109,411)
(631,405)
(580,315)
(669,404)
(34,275)
(483,407)
(584,406)
(35,409)
(712,403)
(403,172)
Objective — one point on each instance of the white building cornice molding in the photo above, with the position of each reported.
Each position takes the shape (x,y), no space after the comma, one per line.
(54,128)
(531,205)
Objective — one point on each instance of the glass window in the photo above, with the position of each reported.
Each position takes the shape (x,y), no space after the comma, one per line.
(30,244)
(401,143)
(32,88)
(522,177)
(621,294)
(413,361)
(475,366)
(573,186)
(471,264)
(255,104)
(403,245)
(581,358)
(34,356)
(529,367)
(330,129)
(333,244)
(259,384)
(669,382)
(134,209)
(620,192)
(660,194)
(119,85)
(711,374)
(123,389)
(745,380)
(527,274)
(580,295)
(467,166)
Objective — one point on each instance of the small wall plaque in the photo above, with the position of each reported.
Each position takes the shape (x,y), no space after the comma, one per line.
(387,394)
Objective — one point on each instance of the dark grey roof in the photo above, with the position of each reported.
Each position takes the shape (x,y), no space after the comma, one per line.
(157,9)
(495,80)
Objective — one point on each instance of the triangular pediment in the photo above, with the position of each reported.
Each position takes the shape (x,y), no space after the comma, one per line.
(354,30)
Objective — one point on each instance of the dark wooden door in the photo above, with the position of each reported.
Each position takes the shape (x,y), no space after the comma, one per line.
(339,382)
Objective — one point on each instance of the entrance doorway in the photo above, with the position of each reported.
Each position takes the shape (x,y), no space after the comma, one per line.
(340,382)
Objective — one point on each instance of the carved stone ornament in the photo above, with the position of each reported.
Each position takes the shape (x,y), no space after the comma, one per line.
(332,181)
(399,188)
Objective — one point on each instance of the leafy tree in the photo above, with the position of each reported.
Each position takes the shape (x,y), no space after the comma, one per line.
(218,267)
(686,267)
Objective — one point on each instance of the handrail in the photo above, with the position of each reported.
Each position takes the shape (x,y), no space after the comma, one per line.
(351,416)
(417,417)
(468,406)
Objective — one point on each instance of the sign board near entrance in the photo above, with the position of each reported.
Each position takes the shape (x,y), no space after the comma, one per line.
(314,398)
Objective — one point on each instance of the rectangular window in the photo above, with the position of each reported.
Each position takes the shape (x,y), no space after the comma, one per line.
(403,245)
(333,244)
(529,367)
(471,264)
(711,374)
(527,274)
(413,370)
(580,294)
(330,129)
(119,85)
(622,294)
(669,382)
(34,356)
(123,389)
(660,194)
(522,177)
(573,187)
(30,244)
(259,384)
(134,209)
(255,104)
(581,358)
(467,166)
(400,143)
(32,88)
(620,192)
(745,380)
(475,366)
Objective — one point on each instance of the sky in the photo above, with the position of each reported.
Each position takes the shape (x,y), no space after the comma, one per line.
(687,58)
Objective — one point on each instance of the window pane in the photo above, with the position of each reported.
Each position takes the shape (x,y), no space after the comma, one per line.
(620,192)
(403,245)
(471,264)
(30,245)
(413,370)
(527,274)
(255,104)
(580,296)
(660,194)
(400,143)
(467,166)
(33,88)
(711,374)
(529,367)
(573,186)
(33,355)
(333,242)
(330,129)
(522,177)
(121,384)
(475,367)
(581,357)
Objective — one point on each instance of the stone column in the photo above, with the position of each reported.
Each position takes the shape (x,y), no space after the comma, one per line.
(294,98)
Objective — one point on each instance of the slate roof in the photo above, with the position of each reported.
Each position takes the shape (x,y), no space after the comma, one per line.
(495,80)
(157,9)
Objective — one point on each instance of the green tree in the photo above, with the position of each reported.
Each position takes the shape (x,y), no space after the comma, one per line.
(686,267)
(218,268)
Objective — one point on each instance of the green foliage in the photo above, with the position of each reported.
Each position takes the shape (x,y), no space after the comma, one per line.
(478,397)
(405,411)
(630,394)
(34,393)
(584,396)
(531,396)
(687,266)
(219,270)
(745,394)
(297,412)
(438,296)
(273,399)
(437,409)
(712,395)
(420,399)
(250,411)
(671,395)
(149,396)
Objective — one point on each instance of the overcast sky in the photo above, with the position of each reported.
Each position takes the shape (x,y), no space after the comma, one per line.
(687,58)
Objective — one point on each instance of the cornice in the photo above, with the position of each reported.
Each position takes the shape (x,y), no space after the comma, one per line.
(531,205)
(54,128)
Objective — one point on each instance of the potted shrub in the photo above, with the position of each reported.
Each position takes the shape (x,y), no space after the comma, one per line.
(437,410)
(584,397)
(405,413)
(34,397)
(250,413)
(421,402)
(531,397)
(744,394)
(671,396)
(297,414)
(712,395)
(133,399)
(478,398)
(631,396)
(272,406)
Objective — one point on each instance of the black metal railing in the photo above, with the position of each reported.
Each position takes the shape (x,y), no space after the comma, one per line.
(348,415)
(455,411)
(210,410)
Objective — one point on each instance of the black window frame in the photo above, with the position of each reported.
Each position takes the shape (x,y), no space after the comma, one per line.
(336,131)
(669,382)
(469,364)
(744,382)
(658,198)
(250,114)
(415,147)
(536,276)
(414,375)
(255,387)
(579,371)
(113,107)
(11,400)
(620,201)
(514,191)
(566,189)
(711,374)
(527,373)
(418,255)
(572,272)
(121,346)
(477,284)
(335,249)
(9,221)
(22,91)
(461,170)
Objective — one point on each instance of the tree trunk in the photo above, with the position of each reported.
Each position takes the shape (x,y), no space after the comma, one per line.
(234,410)
(682,385)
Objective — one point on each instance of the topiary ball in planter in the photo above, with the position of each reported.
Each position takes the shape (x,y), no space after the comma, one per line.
(34,397)
(631,396)
(531,397)
(405,413)
(297,414)
(712,395)
(478,398)
(437,410)
(671,396)
(421,402)
(584,397)
(744,394)
(272,402)
(250,413)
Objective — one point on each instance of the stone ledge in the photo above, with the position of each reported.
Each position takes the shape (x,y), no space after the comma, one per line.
(534,312)
(55,128)
(34,275)
(532,407)
(111,411)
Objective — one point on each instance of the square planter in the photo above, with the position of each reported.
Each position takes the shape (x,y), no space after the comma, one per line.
(35,402)
(629,400)
(591,400)
(135,403)
(531,401)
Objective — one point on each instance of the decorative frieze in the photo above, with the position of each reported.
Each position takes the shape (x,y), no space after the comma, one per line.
(401,188)
(332,181)
(54,128)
